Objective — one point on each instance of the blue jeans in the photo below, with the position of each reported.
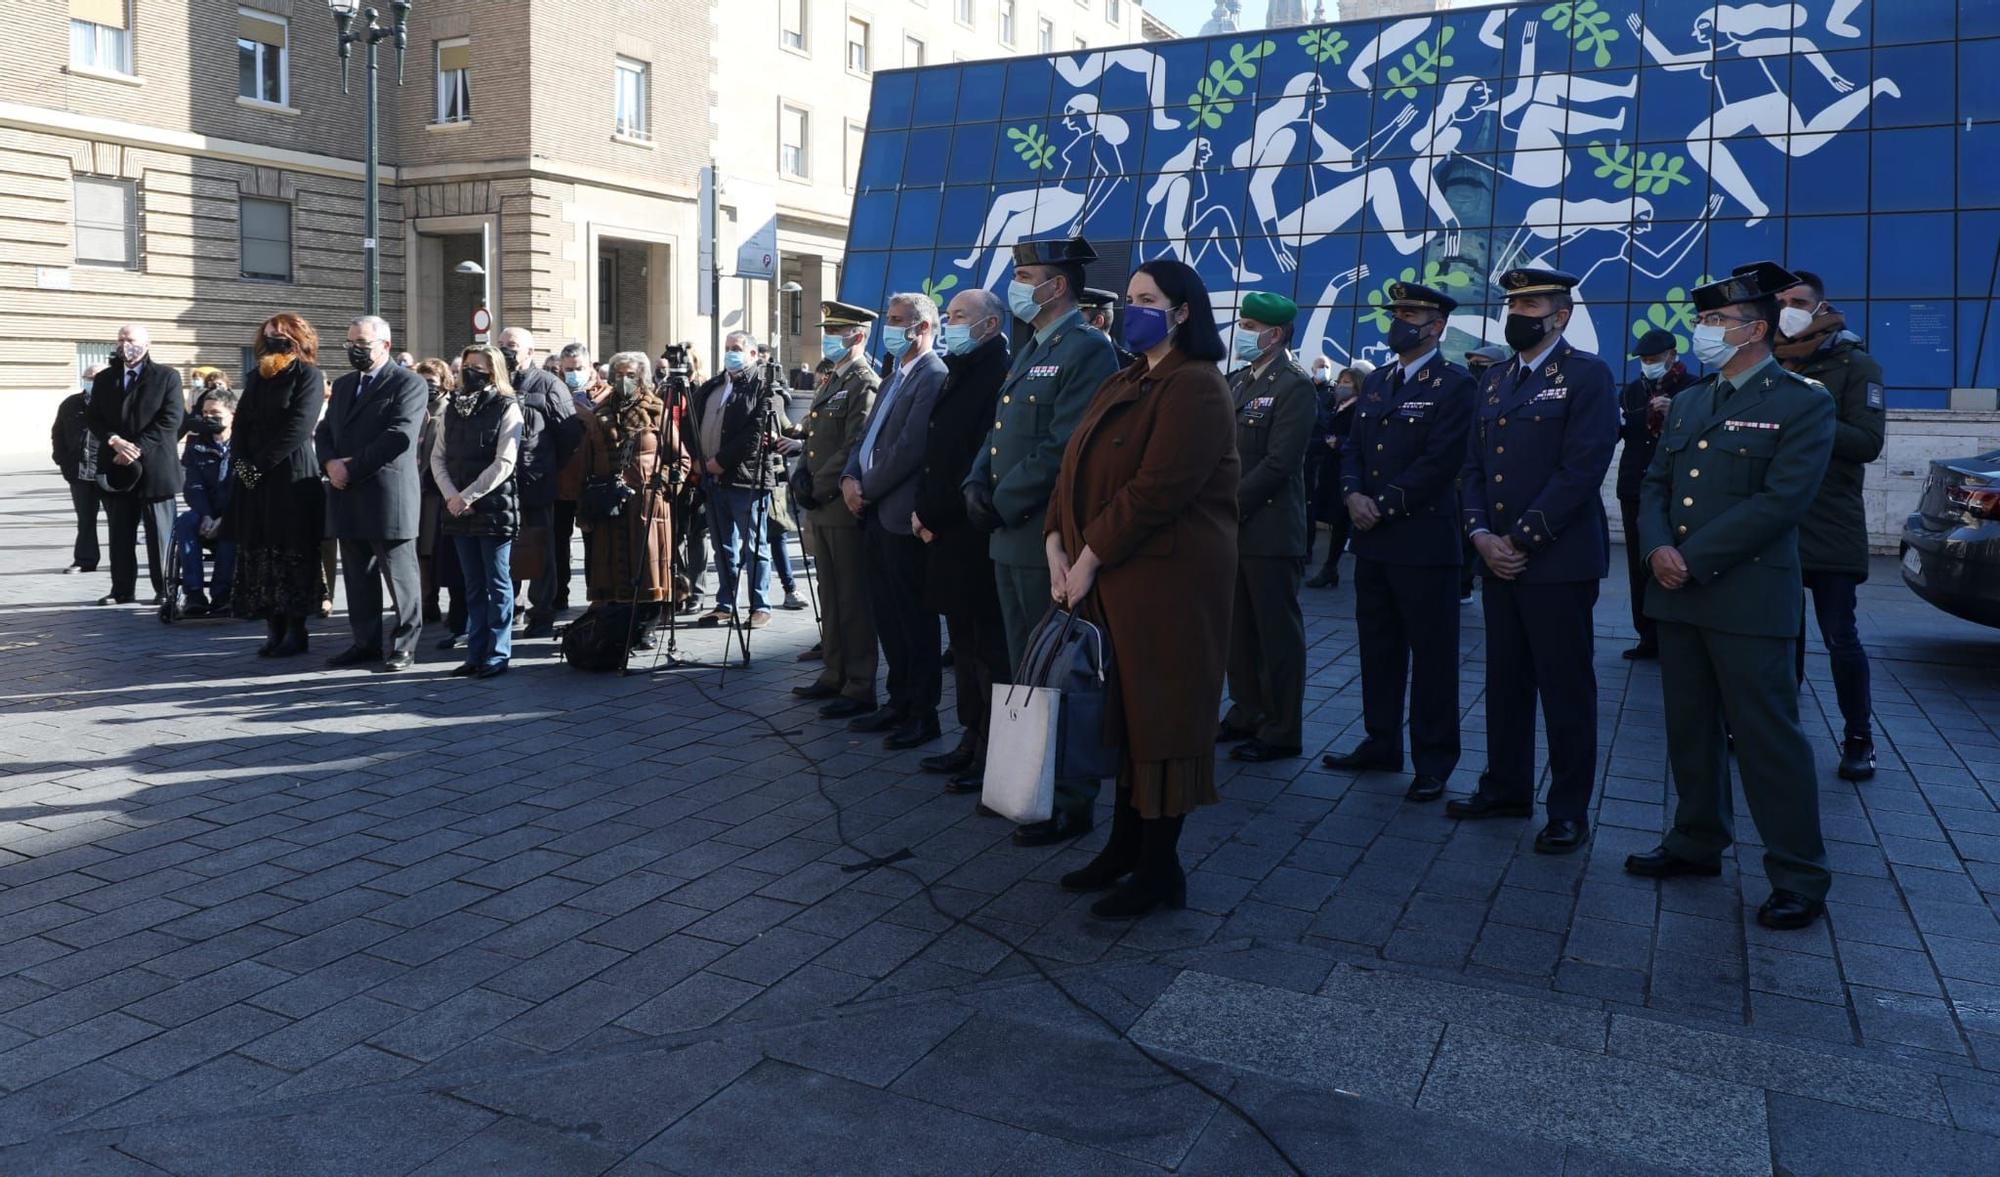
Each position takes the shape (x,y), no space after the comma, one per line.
(737,521)
(187,541)
(489,597)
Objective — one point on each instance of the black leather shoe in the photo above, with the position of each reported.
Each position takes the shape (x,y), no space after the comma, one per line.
(1857,758)
(1327,578)
(1225,734)
(1482,805)
(465,670)
(1561,836)
(1788,911)
(1099,874)
(971,781)
(1362,758)
(846,708)
(108,599)
(450,641)
(1642,652)
(1060,828)
(817,653)
(950,763)
(815,690)
(1136,896)
(1257,751)
(539,629)
(354,656)
(881,719)
(982,810)
(913,733)
(395,662)
(1424,788)
(1659,864)
(491,670)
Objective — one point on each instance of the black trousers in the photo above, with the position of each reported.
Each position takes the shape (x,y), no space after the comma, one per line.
(448,576)
(1833,599)
(541,592)
(364,565)
(1539,644)
(84,497)
(123,517)
(559,544)
(691,542)
(894,566)
(979,659)
(1408,617)
(1637,574)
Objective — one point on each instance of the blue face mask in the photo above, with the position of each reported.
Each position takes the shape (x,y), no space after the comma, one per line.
(1145,327)
(573,378)
(1246,345)
(1021,300)
(735,361)
(895,340)
(958,338)
(833,347)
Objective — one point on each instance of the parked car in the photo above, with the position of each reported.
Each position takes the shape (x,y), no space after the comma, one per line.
(1951,545)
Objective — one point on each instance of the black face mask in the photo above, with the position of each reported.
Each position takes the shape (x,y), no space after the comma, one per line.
(1405,336)
(360,357)
(204,425)
(277,345)
(1526,332)
(475,381)
(512,357)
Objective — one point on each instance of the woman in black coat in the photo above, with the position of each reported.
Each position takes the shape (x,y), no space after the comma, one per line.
(278,515)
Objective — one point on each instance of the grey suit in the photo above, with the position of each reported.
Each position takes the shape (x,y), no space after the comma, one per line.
(886,462)
(376,517)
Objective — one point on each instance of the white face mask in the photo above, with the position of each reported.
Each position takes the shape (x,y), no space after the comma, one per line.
(1712,346)
(1794,322)
(1653,371)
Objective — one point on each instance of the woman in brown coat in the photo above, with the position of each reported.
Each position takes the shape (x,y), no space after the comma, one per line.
(1142,538)
(629,436)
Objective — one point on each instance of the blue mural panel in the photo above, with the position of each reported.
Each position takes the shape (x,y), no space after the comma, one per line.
(1643,144)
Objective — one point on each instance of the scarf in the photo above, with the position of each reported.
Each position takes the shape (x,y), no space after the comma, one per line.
(1794,352)
(627,416)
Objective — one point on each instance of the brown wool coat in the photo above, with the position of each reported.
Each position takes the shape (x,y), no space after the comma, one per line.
(1149,483)
(643,533)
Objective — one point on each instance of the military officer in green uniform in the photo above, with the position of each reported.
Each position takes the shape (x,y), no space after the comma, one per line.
(1053,377)
(1275,410)
(1739,462)
(832,428)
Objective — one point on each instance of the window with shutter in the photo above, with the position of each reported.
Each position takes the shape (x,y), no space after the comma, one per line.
(100,35)
(261,58)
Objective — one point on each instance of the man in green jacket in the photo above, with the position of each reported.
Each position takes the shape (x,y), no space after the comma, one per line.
(1813,341)
(1053,377)
(1739,463)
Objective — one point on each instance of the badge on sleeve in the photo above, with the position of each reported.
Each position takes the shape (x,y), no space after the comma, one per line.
(1875,398)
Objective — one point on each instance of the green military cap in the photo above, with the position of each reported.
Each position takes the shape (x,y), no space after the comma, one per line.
(841,314)
(1272,310)
(1744,284)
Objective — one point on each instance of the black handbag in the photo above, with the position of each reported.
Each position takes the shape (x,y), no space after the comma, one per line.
(605,495)
(1072,655)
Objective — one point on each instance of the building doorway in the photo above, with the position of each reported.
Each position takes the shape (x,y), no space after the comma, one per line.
(625,305)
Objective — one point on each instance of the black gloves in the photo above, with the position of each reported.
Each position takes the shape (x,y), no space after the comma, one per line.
(800,487)
(979,508)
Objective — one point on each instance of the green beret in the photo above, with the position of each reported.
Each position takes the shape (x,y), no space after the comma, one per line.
(1272,310)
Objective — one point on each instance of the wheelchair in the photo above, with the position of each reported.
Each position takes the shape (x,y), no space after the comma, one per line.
(173,594)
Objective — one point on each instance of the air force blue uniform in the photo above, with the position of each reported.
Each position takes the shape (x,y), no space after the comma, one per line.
(1405,451)
(1542,442)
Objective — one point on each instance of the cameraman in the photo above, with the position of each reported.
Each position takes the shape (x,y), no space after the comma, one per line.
(735,417)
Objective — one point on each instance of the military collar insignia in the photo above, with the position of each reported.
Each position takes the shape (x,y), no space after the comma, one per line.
(1768,382)
(1552,369)
(1437,382)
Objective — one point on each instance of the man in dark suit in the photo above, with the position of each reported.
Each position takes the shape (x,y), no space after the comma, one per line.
(1643,407)
(1543,433)
(367,444)
(135,411)
(1399,477)
(67,441)
(880,488)
(545,447)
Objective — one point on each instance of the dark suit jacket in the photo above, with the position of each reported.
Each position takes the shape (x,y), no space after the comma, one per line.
(66,438)
(1636,430)
(890,481)
(378,437)
(549,434)
(149,417)
(1404,448)
(958,566)
(741,454)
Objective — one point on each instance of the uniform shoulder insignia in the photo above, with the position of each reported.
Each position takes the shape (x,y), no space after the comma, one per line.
(1875,396)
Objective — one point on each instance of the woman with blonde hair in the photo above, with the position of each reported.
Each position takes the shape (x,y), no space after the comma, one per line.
(478,445)
(278,514)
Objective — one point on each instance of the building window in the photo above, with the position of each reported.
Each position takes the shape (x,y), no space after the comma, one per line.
(913,50)
(1006,22)
(852,162)
(100,35)
(1047,38)
(792,24)
(267,238)
(107,222)
(857,45)
(454,86)
(631,99)
(962,11)
(262,72)
(795,142)
(1114,11)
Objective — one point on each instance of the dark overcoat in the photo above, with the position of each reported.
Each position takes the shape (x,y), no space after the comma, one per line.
(280,504)
(149,417)
(958,565)
(378,437)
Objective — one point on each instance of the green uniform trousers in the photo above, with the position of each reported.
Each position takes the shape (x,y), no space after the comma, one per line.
(1267,651)
(1024,598)
(846,625)
(1708,677)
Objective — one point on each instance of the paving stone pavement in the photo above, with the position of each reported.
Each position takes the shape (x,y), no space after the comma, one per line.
(271,918)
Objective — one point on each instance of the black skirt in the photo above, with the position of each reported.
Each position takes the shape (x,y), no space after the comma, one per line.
(278,526)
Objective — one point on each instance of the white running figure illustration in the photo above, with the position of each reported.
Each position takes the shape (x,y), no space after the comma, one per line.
(1192,227)
(1084,71)
(1757,32)
(1056,208)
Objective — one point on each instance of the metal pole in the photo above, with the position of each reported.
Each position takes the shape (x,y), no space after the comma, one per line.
(371,254)
(714,230)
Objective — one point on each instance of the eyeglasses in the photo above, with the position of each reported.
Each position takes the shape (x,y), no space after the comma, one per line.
(1716,319)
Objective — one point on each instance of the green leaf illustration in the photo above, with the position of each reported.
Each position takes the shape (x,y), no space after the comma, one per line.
(1420,66)
(936,289)
(1646,173)
(1215,95)
(1033,146)
(1324,45)
(1674,315)
(1587,24)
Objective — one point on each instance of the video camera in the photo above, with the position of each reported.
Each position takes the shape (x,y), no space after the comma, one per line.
(679,362)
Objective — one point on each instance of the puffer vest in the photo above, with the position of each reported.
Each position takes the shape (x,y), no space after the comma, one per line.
(469,445)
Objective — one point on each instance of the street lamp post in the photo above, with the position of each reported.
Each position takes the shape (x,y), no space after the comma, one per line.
(368,32)
(788,290)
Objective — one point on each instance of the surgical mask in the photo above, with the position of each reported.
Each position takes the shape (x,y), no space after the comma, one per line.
(895,340)
(1246,346)
(1404,336)
(131,353)
(1711,344)
(735,361)
(360,357)
(1145,327)
(1653,371)
(473,380)
(958,338)
(1021,299)
(627,386)
(1525,333)
(833,347)
(1794,322)
(1319,376)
